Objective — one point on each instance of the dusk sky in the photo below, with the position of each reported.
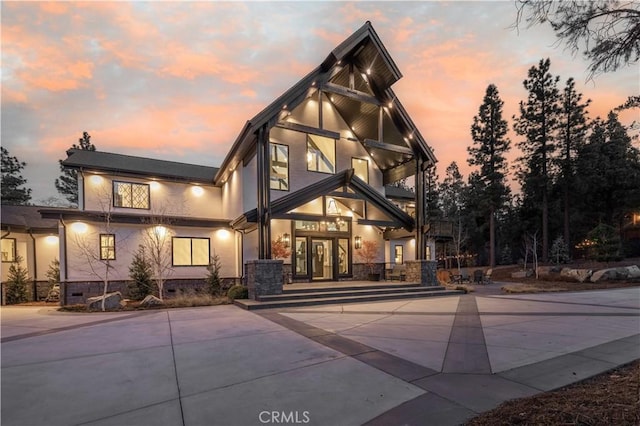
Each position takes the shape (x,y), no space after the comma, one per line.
(177,80)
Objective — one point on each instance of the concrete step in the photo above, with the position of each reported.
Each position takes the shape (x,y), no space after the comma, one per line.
(339,292)
(255,304)
(323,289)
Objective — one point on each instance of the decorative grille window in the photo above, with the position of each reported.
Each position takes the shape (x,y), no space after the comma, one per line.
(131,195)
(107,247)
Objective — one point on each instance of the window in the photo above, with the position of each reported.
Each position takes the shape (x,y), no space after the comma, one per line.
(8,249)
(279,167)
(301,256)
(131,195)
(190,251)
(321,154)
(360,168)
(399,257)
(107,247)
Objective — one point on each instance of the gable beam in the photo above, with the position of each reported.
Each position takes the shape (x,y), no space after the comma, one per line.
(370,143)
(352,94)
(308,129)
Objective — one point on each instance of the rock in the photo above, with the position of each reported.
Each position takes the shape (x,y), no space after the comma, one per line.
(580,275)
(545,271)
(612,274)
(111,301)
(151,300)
(522,274)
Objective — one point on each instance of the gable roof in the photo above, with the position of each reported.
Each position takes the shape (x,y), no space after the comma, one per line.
(363,48)
(347,178)
(27,218)
(129,165)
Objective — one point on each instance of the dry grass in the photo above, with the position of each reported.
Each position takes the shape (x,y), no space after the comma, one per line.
(188,300)
(611,398)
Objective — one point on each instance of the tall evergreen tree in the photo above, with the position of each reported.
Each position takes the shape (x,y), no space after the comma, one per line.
(431,193)
(12,180)
(490,143)
(573,127)
(67,183)
(608,174)
(538,123)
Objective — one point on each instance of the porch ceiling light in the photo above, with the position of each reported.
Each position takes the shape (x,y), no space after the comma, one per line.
(154,185)
(358,242)
(51,239)
(96,180)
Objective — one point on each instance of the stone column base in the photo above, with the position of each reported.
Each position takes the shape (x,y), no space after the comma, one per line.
(422,271)
(264,277)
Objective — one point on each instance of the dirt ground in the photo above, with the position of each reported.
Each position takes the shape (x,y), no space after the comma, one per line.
(611,398)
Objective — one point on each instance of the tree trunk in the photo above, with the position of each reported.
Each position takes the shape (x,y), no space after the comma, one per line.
(545,226)
(567,241)
(492,237)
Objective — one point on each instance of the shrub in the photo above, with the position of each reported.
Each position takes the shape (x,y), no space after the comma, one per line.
(212,279)
(53,273)
(238,292)
(140,272)
(559,252)
(17,278)
(605,243)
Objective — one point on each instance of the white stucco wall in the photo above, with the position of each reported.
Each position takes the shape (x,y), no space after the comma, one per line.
(168,198)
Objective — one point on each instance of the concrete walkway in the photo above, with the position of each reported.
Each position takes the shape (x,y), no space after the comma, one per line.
(435,361)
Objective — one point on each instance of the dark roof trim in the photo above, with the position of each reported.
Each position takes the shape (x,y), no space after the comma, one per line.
(135,219)
(326,186)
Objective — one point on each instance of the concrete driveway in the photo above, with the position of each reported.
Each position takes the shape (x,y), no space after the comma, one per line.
(439,361)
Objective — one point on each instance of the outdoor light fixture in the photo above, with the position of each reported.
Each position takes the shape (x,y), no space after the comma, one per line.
(96,180)
(358,242)
(79,227)
(286,239)
(51,239)
(197,191)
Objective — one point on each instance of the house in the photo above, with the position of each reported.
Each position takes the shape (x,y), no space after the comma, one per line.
(313,169)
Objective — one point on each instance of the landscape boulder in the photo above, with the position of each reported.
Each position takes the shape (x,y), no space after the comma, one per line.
(545,271)
(151,300)
(111,301)
(522,274)
(612,274)
(580,275)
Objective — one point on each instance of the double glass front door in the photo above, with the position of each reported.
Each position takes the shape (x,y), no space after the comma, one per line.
(322,259)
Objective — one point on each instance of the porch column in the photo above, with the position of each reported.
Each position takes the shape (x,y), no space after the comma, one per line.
(264,195)
(420,210)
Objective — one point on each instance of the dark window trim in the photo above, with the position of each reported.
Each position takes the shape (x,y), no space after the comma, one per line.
(113,191)
(114,246)
(361,159)
(15,251)
(191,244)
(270,170)
(335,160)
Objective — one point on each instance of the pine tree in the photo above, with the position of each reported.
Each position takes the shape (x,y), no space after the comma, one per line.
(573,127)
(452,193)
(67,183)
(12,180)
(490,144)
(17,280)
(140,272)
(538,123)
(214,283)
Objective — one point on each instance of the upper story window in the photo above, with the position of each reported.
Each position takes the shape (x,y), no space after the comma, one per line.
(131,195)
(279,167)
(107,247)
(360,168)
(321,154)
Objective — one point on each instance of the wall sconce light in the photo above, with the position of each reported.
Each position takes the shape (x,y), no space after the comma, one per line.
(358,242)
(286,239)
(197,191)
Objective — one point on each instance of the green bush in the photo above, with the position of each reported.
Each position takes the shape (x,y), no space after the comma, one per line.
(141,274)
(238,292)
(605,243)
(16,286)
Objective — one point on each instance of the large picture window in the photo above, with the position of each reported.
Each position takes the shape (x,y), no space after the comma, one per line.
(360,168)
(279,167)
(321,154)
(190,251)
(131,195)
(107,247)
